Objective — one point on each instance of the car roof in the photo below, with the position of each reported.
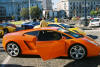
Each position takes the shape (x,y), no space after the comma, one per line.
(41,28)
(47,28)
(58,23)
(54,23)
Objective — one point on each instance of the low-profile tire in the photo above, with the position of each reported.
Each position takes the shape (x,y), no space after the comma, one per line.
(13,49)
(77,52)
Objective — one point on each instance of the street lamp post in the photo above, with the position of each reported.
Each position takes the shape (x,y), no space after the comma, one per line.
(29,10)
(85,14)
(13,8)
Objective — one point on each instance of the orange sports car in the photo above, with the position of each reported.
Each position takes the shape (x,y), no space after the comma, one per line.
(50,42)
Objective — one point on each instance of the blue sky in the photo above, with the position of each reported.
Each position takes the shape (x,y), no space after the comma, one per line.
(55,1)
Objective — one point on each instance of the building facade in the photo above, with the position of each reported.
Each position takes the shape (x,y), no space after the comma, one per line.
(77,7)
(47,8)
(12,8)
(47,4)
(61,5)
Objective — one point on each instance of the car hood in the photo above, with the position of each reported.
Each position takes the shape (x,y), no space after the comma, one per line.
(87,38)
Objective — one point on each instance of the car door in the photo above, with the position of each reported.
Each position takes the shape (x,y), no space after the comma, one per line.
(50,45)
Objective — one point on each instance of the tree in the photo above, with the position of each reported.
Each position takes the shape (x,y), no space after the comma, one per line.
(24,13)
(92,12)
(99,12)
(95,13)
(13,17)
(35,12)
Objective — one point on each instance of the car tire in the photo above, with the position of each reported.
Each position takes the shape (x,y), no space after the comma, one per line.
(6,31)
(77,52)
(13,49)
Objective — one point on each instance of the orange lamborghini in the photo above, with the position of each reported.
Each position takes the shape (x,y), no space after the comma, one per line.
(50,42)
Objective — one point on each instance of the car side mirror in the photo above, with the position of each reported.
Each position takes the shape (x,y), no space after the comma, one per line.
(63,37)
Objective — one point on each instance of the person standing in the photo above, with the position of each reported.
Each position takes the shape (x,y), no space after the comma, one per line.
(43,23)
(56,20)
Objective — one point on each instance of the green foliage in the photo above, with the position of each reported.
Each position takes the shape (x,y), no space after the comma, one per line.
(35,12)
(24,13)
(99,11)
(95,12)
(13,17)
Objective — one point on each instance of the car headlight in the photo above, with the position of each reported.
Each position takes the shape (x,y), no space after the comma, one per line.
(91,42)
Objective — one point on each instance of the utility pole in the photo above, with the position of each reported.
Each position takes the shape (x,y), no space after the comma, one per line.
(85,14)
(29,11)
(13,9)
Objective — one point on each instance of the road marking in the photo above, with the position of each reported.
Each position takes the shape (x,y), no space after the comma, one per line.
(5,61)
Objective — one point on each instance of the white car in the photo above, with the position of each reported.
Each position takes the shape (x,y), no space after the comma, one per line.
(94,22)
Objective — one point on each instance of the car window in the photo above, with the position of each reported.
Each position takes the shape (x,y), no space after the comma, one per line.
(70,33)
(33,33)
(53,25)
(67,37)
(49,36)
(65,26)
(95,20)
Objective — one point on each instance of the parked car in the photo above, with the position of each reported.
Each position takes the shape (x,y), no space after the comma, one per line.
(29,25)
(50,42)
(65,26)
(1,33)
(7,28)
(94,22)
(9,24)
(84,22)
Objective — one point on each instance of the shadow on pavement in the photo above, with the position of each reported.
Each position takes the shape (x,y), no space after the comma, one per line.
(88,62)
(1,49)
(93,36)
(30,56)
(13,65)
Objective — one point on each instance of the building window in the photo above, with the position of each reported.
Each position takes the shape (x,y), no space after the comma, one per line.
(2,11)
(70,3)
(88,3)
(94,3)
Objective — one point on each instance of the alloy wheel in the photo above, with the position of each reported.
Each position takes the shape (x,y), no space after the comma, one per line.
(13,49)
(77,52)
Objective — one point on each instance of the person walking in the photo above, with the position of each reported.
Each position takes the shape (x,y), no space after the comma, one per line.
(43,23)
(56,20)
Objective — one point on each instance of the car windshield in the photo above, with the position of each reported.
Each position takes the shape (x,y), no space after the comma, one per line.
(95,20)
(28,23)
(71,33)
(65,26)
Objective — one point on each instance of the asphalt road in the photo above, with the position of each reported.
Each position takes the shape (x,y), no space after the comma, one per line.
(36,61)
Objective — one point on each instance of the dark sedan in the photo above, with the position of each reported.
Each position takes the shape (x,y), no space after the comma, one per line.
(29,25)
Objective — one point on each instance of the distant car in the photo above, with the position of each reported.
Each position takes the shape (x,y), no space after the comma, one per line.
(9,24)
(65,26)
(1,33)
(94,22)
(29,25)
(7,28)
(50,42)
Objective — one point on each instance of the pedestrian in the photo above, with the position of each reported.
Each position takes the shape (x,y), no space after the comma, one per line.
(34,20)
(43,23)
(56,20)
